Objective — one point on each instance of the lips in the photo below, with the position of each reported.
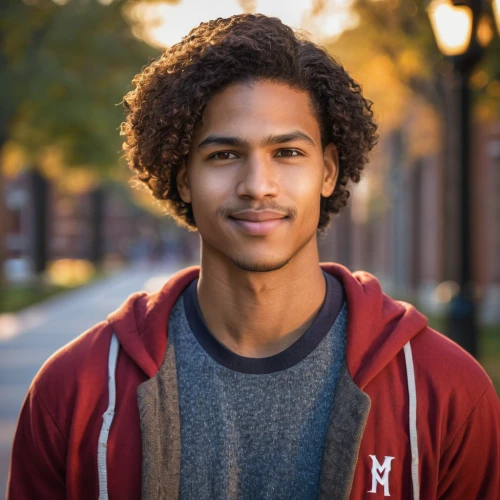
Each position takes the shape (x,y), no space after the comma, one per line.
(260,216)
(258,223)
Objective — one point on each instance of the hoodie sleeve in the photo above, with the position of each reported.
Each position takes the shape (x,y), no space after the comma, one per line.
(37,468)
(470,465)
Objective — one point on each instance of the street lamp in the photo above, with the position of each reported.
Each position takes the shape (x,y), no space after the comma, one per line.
(496,13)
(452,27)
(463,29)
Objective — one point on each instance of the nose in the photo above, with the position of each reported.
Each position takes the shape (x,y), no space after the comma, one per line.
(257,179)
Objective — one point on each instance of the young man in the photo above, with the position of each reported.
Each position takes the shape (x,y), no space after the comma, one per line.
(260,374)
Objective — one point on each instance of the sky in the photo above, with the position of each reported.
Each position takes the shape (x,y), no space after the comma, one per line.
(168,23)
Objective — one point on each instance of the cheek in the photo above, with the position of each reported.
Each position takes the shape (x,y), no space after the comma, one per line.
(208,193)
(306,194)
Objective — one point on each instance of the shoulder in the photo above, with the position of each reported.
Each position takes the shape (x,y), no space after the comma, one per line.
(451,385)
(446,365)
(77,368)
(458,417)
(84,360)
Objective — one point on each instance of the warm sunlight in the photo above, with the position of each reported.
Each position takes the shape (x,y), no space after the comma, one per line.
(163,24)
(496,12)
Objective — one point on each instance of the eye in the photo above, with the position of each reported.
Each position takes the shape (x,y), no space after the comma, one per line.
(222,155)
(288,153)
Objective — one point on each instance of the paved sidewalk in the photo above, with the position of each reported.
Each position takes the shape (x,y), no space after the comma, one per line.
(28,338)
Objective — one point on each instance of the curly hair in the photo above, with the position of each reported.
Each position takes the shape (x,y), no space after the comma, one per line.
(172,91)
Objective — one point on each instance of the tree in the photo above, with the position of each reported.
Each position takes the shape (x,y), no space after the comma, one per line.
(64,68)
(393,53)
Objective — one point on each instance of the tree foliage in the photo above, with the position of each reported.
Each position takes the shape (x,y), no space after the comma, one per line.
(393,53)
(65,68)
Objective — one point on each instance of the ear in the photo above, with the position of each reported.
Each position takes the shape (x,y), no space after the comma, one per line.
(330,170)
(183,183)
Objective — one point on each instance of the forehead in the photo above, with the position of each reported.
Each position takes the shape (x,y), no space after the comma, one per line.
(258,109)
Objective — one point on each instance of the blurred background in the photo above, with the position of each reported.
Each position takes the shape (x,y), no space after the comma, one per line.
(76,239)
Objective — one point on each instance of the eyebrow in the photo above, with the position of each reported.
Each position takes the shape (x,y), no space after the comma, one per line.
(295,135)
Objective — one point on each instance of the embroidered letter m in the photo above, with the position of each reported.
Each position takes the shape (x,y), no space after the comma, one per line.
(380,474)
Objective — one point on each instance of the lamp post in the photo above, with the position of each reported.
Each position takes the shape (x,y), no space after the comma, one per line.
(463,29)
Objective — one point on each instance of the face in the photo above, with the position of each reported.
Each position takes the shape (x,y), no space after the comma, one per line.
(255,174)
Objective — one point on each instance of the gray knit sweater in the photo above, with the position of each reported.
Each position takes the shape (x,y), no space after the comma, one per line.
(254,428)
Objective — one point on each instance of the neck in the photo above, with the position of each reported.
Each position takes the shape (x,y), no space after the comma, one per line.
(260,314)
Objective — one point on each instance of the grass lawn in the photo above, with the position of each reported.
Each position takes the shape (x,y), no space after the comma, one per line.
(17,297)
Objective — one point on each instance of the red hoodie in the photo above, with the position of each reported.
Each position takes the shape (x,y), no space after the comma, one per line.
(433,428)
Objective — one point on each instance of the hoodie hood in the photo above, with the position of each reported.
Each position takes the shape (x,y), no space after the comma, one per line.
(377,330)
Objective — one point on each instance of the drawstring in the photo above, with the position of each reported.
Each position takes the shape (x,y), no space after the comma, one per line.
(412,391)
(107,420)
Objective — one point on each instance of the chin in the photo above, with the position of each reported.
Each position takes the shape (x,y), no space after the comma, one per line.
(256,265)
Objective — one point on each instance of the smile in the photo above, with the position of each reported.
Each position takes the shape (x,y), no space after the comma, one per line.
(258,227)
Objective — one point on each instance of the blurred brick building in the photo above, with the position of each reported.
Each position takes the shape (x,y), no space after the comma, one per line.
(411,244)
(45,225)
